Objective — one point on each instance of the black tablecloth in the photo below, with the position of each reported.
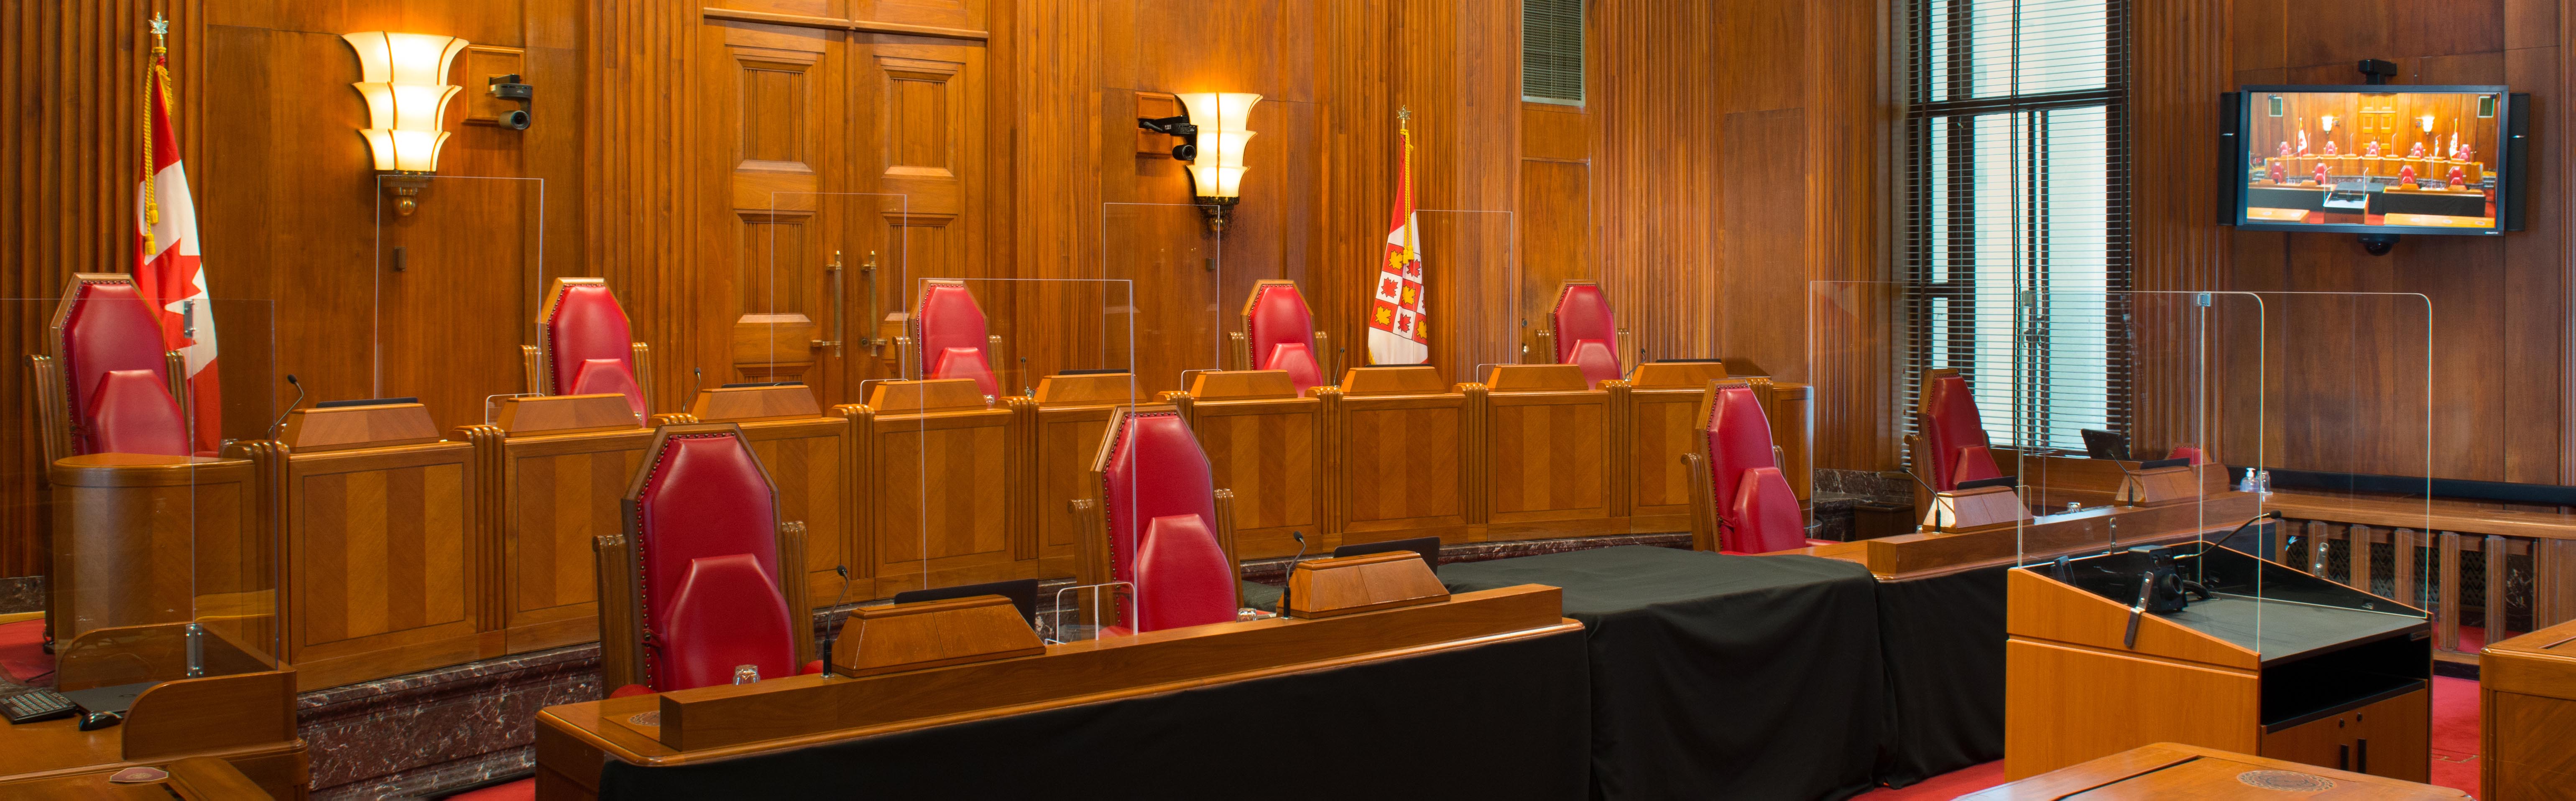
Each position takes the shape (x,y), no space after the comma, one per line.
(1718,676)
(1944,639)
(1506,720)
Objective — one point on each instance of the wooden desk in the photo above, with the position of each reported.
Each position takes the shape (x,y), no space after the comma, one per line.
(246,720)
(191,779)
(1267,444)
(1059,429)
(810,452)
(1662,397)
(2175,770)
(2310,671)
(1920,555)
(1551,447)
(1406,457)
(936,464)
(2527,715)
(128,529)
(708,723)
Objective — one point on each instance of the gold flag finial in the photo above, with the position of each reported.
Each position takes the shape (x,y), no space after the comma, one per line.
(160,34)
(1403,115)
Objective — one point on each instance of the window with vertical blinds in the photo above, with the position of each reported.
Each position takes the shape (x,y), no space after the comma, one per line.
(1552,51)
(2015,225)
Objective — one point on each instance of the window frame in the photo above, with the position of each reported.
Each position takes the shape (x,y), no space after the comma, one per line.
(1955,252)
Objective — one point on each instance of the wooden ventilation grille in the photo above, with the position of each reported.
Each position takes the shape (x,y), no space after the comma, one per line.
(1552,51)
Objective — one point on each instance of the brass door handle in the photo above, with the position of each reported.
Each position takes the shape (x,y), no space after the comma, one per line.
(833,271)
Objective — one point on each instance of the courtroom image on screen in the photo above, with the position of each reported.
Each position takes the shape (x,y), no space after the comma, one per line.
(2397,159)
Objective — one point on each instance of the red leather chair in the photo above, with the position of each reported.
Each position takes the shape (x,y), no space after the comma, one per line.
(105,383)
(585,347)
(1951,445)
(947,337)
(1279,334)
(1580,331)
(1742,502)
(1158,524)
(705,577)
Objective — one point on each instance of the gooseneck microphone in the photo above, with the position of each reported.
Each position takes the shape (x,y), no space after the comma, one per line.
(1286,579)
(2274,514)
(290,408)
(835,638)
(698,378)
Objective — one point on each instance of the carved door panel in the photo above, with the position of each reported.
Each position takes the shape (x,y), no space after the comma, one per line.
(774,108)
(918,110)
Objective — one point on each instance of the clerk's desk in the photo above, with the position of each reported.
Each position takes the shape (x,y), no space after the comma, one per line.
(191,779)
(2527,715)
(246,720)
(1925,553)
(576,741)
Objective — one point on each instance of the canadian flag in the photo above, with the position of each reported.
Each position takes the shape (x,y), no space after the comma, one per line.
(166,268)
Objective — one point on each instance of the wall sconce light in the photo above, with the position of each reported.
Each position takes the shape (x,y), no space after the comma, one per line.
(2425,123)
(2326,122)
(1214,130)
(405,84)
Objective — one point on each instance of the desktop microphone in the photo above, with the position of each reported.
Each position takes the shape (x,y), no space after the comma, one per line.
(835,637)
(1285,578)
(299,401)
(1919,482)
(698,378)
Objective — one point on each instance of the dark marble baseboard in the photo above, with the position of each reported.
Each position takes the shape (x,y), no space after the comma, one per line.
(22,594)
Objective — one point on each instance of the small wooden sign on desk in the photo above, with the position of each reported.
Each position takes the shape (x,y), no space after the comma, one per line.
(751,404)
(340,428)
(1962,510)
(886,639)
(2160,485)
(1365,583)
(565,414)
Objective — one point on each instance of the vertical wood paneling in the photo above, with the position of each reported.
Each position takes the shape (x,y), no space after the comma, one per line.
(71,75)
(2499,350)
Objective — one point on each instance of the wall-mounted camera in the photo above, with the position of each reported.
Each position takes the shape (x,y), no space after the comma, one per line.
(508,87)
(1179,127)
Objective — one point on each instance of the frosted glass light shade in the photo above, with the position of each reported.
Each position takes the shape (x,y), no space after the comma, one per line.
(1222,118)
(407,96)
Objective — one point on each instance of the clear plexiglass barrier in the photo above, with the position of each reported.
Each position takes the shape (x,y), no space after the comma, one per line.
(2135,444)
(149,454)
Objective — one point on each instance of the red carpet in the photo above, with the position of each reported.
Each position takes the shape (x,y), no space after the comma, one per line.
(521,790)
(2455,751)
(22,653)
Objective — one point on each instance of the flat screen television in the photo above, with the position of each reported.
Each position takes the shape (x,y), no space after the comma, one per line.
(2375,159)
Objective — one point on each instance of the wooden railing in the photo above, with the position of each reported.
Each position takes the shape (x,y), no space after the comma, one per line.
(2494,567)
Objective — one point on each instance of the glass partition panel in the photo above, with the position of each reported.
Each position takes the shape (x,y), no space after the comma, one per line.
(453,248)
(141,465)
(1482,316)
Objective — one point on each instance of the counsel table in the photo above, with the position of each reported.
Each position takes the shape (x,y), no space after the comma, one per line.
(1717,676)
(1375,701)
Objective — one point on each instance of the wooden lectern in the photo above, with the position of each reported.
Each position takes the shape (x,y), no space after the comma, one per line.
(2276,663)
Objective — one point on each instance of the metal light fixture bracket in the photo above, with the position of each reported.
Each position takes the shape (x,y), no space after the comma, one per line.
(405,187)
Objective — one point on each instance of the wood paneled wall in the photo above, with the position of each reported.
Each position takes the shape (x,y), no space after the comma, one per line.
(1727,155)
(69,161)
(1737,152)
(2344,381)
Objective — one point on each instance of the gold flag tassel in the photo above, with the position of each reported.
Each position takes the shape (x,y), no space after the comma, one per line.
(157,78)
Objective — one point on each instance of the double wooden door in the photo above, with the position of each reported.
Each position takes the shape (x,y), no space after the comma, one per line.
(851,160)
